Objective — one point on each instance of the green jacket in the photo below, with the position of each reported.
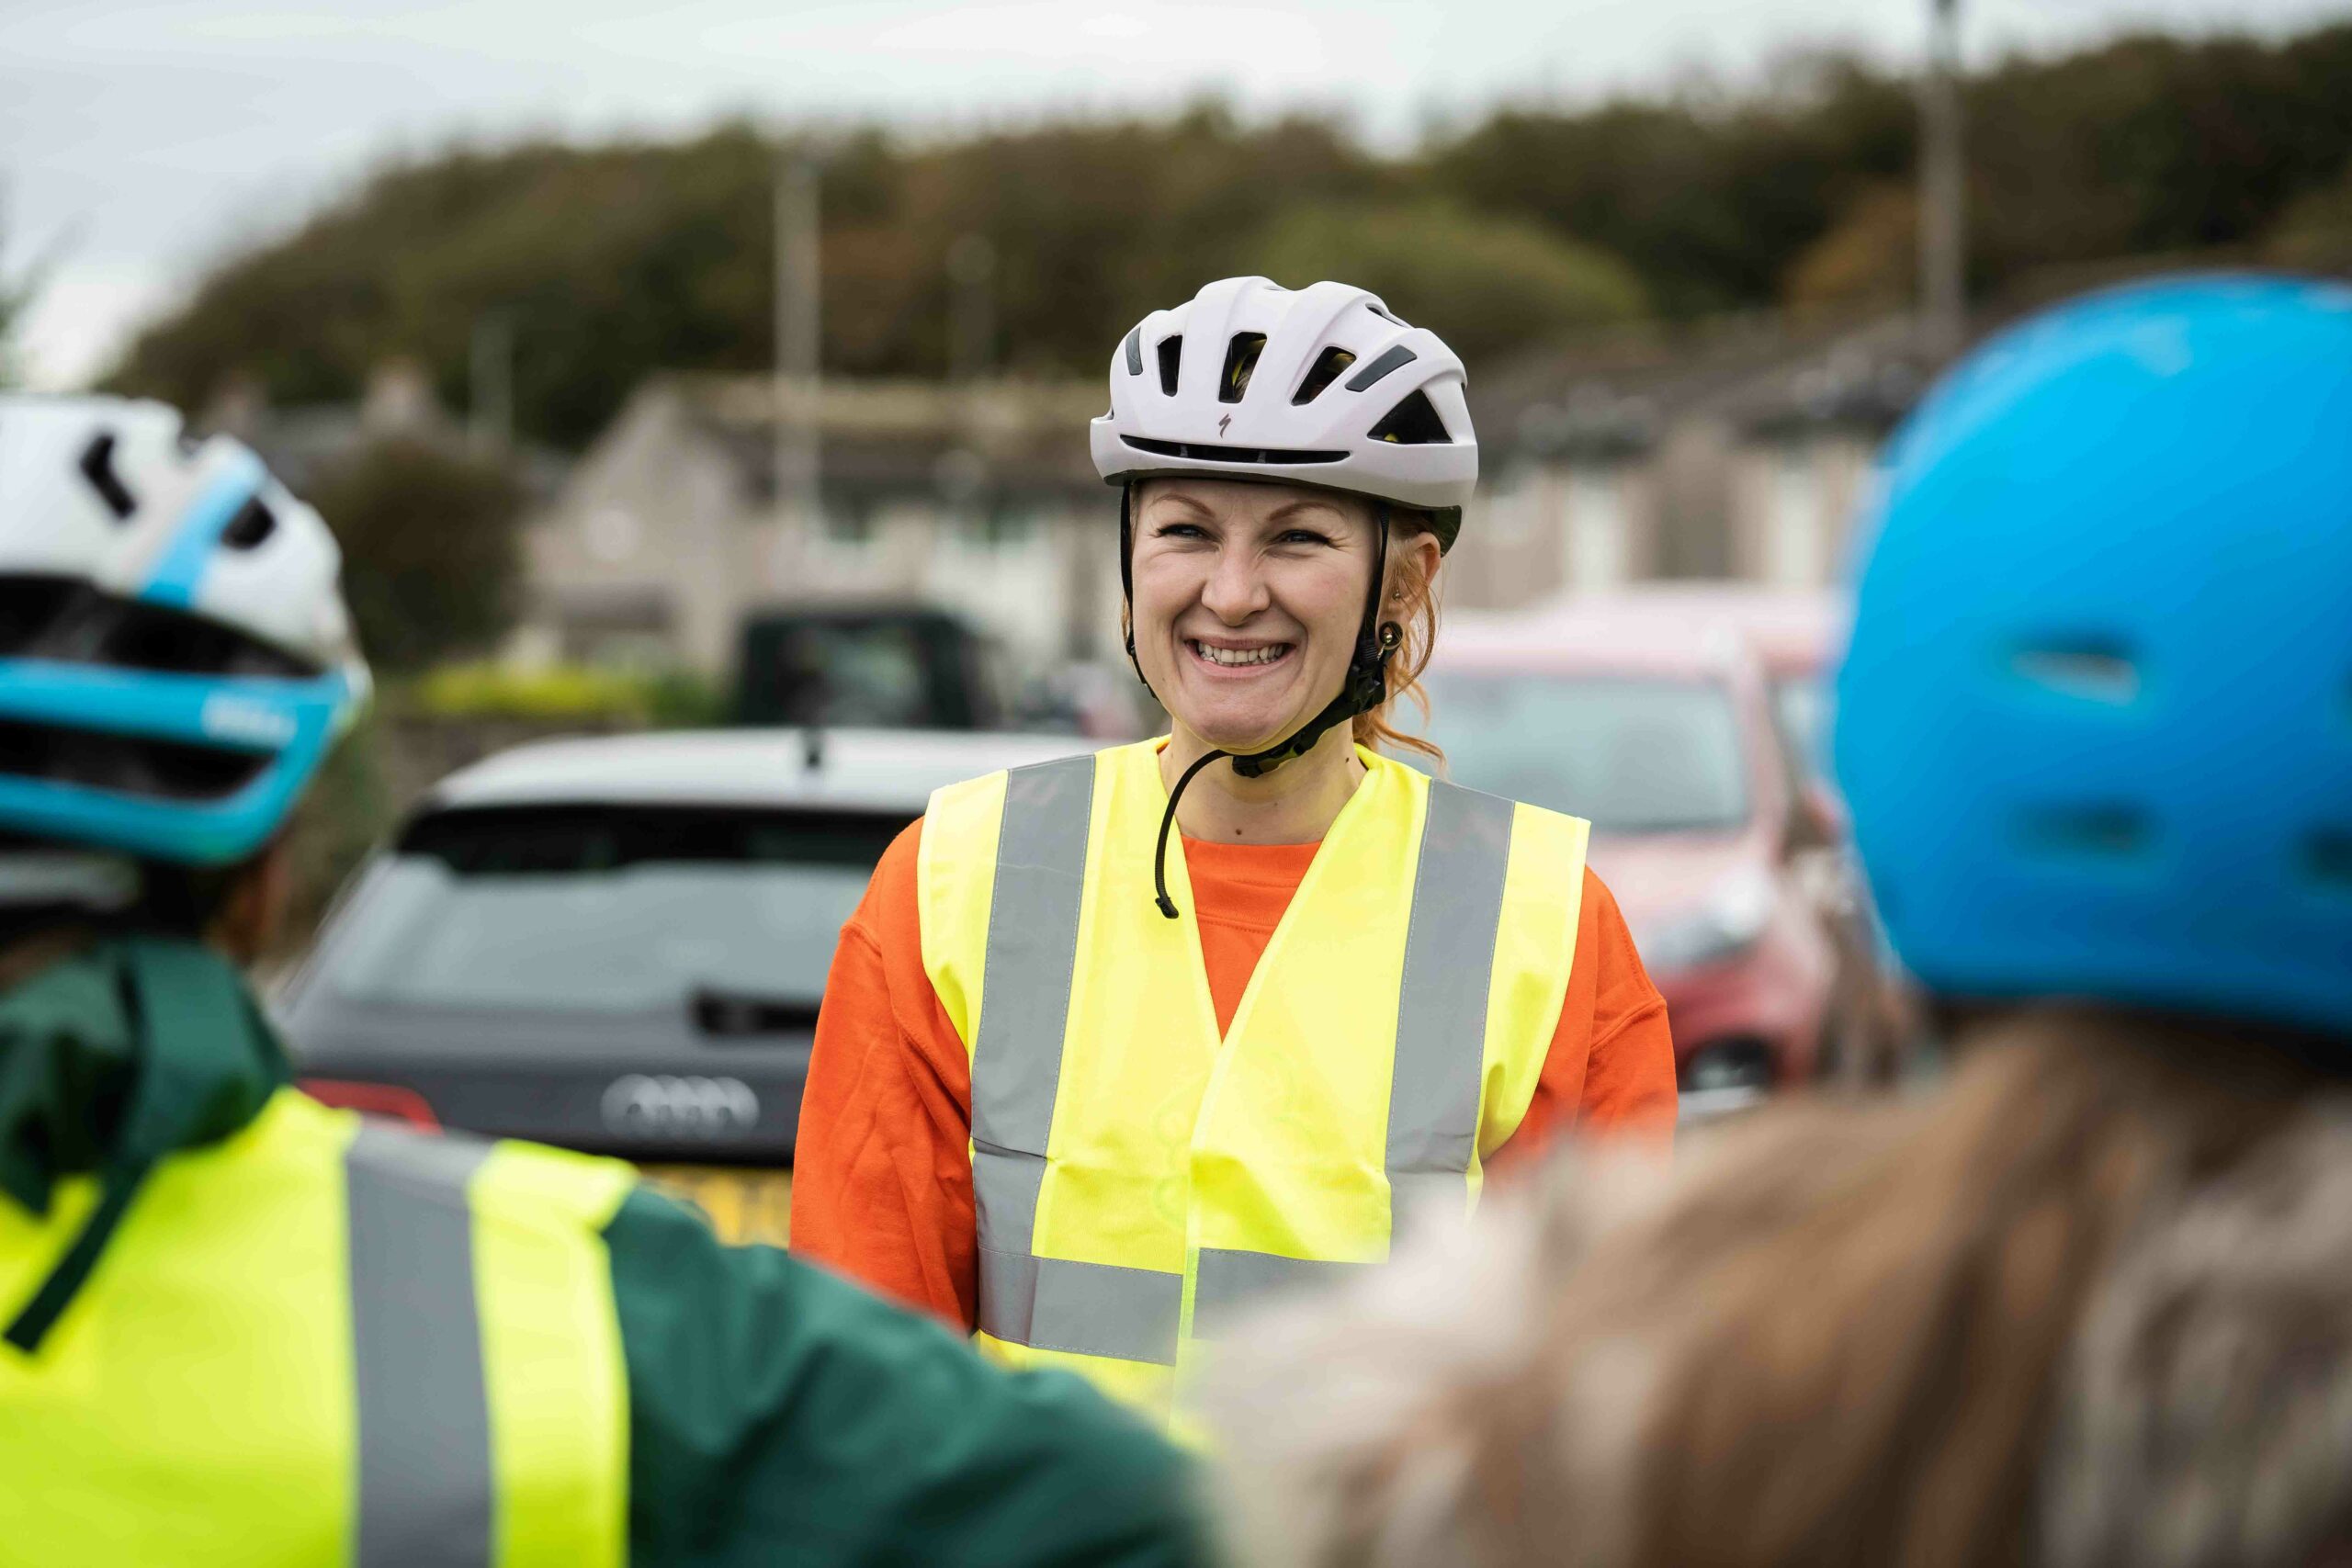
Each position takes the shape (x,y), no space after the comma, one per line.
(777,1414)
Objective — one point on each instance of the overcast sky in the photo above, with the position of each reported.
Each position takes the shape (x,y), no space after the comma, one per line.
(139,141)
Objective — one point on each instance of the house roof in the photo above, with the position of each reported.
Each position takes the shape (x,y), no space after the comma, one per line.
(880,437)
(1617,393)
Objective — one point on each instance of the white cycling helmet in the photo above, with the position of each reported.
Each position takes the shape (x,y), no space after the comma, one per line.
(1318,386)
(175,658)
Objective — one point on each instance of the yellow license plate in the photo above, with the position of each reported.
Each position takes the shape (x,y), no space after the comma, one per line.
(743,1204)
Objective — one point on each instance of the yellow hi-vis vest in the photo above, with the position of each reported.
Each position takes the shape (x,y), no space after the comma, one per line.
(320,1341)
(1137,1178)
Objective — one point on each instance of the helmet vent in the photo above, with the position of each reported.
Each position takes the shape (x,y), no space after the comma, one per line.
(1240,359)
(126,764)
(2086,832)
(2097,671)
(30,606)
(98,466)
(69,622)
(1412,423)
(1322,373)
(1394,358)
(1172,360)
(1134,352)
(1211,452)
(250,528)
(2327,857)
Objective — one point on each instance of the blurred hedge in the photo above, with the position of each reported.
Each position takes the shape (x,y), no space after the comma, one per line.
(667,699)
(431,546)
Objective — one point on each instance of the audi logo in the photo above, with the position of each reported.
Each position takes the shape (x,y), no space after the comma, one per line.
(661,1105)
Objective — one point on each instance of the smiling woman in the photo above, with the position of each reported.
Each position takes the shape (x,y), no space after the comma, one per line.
(1227,1066)
(1313,545)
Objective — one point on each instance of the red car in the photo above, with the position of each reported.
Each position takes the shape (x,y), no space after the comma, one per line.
(1660,730)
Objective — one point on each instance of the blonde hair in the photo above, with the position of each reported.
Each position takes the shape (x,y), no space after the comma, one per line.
(1899,1336)
(1416,614)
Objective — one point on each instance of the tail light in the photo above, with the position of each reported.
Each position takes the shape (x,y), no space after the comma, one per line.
(390,1101)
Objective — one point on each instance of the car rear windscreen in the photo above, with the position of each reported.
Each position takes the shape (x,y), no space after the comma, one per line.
(721,913)
(1631,755)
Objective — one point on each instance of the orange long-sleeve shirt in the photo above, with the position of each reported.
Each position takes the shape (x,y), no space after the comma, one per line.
(882,1184)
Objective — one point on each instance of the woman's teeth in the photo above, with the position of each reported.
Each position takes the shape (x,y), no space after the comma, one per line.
(1233,656)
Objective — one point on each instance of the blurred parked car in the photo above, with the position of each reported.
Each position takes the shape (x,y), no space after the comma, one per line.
(897,666)
(1714,842)
(1798,635)
(619,944)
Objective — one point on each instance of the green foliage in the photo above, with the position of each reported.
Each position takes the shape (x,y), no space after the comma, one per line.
(432,559)
(2152,145)
(18,289)
(1708,198)
(1488,286)
(614,261)
(2315,233)
(660,699)
(607,261)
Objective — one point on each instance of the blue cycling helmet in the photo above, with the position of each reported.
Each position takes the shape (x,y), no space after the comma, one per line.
(2096,719)
(175,658)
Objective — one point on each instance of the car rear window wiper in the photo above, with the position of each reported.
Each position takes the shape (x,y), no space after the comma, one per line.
(735,1015)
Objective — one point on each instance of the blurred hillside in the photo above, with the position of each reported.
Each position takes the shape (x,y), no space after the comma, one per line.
(609,262)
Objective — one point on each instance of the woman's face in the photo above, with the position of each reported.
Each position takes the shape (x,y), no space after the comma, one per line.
(1247,598)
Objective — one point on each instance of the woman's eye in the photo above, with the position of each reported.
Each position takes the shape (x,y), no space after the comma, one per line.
(1179,531)
(1302,537)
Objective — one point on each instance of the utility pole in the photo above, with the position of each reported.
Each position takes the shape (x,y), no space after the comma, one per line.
(798,319)
(962,474)
(971,275)
(492,391)
(1943,299)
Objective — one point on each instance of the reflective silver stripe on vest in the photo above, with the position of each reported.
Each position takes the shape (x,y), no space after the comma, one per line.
(1441,1014)
(1134,1314)
(1094,1309)
(426,1492)
(1226,1282)
(1048,1303)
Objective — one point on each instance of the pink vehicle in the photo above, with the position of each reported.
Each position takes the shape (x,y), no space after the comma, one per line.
(1660,729)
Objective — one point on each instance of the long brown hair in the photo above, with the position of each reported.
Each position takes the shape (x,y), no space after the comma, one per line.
(1836,1339)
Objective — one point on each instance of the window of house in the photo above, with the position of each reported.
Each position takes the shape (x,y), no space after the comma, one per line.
(849,524)
(1599,553)
(1796,537)
(1005,526)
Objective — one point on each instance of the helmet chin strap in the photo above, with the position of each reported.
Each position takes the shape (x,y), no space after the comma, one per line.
(1361,691)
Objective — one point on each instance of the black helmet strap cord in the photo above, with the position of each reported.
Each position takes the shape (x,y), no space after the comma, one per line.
(1365,685)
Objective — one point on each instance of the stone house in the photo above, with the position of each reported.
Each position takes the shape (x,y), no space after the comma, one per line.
(979,499)
(1740,451)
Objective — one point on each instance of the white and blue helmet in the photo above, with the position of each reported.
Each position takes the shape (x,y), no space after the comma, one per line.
(175,658)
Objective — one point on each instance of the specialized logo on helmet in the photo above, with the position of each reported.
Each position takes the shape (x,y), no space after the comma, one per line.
(242,722)
(1223,423)
(661,1105)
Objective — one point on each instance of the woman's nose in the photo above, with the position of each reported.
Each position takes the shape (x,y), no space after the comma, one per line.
(1236,590)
